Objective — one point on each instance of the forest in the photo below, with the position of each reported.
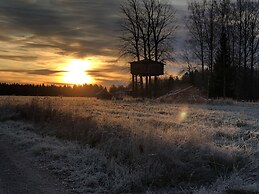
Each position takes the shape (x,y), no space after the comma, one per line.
(222,42)
(50,90)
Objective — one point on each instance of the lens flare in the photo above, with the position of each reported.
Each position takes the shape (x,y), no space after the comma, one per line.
(183,114)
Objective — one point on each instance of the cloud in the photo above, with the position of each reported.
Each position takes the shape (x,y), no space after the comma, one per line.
(61,23)
(32,17)
(33,72)
(91,24)
(45,72)
(5,38)
(109,71)
(18,57)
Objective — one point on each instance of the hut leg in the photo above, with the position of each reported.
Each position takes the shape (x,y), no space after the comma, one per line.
(155,86)
(150,86)
(136,85)
(133,84)
(141,85)
(147,88)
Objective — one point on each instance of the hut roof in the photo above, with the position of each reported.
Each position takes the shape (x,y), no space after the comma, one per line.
(147,67)
(147,61)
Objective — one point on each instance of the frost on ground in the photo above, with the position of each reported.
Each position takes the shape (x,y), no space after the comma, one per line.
(85,170)
(130,146)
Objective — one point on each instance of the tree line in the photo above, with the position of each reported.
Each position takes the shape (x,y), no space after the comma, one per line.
(50,90)
(222,41)
(165,85)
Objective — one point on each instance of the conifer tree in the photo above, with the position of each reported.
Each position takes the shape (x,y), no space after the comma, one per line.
(222,73)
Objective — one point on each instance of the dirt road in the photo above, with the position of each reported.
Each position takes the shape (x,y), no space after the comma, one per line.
(18,174)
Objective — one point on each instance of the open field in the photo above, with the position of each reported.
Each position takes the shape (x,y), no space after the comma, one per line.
(139,146)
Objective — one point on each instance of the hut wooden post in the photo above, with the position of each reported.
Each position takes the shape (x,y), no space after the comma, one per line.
(141,85)
(133,84)
(136,85)
(150,85)
(147,86)
(155,90)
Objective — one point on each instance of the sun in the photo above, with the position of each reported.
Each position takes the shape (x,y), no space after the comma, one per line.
(76,72)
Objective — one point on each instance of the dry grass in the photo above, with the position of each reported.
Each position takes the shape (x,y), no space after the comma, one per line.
(157,146)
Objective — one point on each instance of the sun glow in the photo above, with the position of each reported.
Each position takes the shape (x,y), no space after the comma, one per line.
(76,72)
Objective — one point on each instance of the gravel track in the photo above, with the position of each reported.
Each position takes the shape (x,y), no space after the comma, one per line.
(18,174)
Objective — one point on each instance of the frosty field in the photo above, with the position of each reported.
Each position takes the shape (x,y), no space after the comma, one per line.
(136,146)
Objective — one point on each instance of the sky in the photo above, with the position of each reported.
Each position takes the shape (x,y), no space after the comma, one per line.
(65,42)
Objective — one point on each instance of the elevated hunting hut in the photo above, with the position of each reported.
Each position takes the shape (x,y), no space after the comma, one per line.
(149,70)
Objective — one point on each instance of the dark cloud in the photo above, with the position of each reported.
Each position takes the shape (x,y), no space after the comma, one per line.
(39,45)
(108,71)
(5,38)
(44,72)
(32,16)
(101,72)
(89,24)
(33,72)
(18,57)
(111,61)
(97,75)
(13,70)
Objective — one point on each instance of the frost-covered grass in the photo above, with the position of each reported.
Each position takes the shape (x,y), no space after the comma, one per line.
(130,146)
(83,169)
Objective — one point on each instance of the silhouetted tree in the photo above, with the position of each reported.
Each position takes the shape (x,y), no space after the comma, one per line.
(221,77)
(196,25)
(148,27)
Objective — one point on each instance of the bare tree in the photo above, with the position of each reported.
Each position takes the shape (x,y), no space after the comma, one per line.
(131,29)
(196,25)
(187,58)
(163,28)
(148,28)
(210,31)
